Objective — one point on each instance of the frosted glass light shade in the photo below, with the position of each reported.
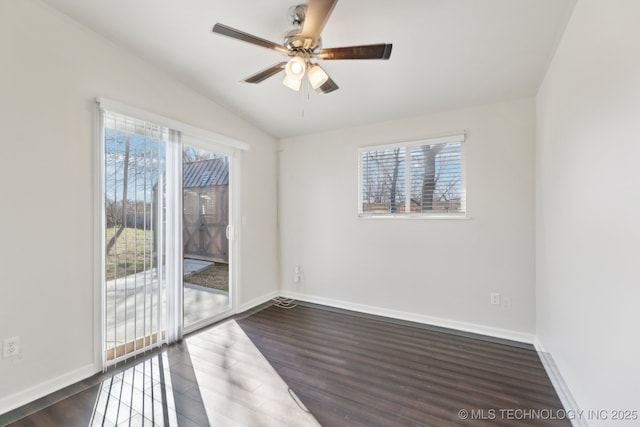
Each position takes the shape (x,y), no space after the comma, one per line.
(317,76)
(293,84)
(295,68)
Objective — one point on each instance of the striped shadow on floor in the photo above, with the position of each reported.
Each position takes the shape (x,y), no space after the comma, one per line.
(215,377)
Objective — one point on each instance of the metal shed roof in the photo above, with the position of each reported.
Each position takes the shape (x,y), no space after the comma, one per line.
(205,173)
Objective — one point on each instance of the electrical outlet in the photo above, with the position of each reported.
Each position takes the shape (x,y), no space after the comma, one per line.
(506,303)
(495,298)
(11,347)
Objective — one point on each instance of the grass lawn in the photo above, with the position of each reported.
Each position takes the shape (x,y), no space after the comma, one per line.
(132,253)
(215,276)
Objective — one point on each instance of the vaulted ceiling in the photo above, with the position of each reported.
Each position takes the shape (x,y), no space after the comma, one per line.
(446,54)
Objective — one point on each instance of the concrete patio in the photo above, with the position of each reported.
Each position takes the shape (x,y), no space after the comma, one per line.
(125,323)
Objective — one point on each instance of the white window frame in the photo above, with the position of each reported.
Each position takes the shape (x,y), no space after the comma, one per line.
(458,137)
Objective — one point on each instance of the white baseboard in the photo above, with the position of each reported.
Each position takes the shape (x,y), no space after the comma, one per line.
(417,318)
(37,391)
(257,301)
(566,398)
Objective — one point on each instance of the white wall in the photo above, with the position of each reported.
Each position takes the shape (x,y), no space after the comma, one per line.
(52,70)
(421,268)
(588,232)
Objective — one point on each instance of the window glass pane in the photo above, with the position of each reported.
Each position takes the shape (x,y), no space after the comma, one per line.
(436,178)
(383,181)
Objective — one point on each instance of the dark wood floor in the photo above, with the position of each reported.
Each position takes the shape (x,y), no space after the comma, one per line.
(364,372)
(346,369)
(150,390)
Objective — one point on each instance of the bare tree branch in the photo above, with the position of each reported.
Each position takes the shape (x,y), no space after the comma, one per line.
(125,184)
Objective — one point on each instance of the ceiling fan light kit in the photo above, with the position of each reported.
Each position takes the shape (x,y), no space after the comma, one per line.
(302,44)
(295,70)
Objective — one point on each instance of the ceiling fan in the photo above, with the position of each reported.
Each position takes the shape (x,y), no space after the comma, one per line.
(303,45)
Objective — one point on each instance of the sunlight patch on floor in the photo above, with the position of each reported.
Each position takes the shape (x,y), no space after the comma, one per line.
(237,384)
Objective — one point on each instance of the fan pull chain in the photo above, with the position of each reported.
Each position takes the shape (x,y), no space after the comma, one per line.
(306,93)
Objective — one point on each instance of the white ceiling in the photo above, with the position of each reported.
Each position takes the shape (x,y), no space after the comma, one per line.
(446,54)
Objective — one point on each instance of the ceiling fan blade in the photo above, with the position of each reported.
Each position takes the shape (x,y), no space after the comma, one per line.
(246,37)
(316,16)
(372,51)
(328,86)
(265,74)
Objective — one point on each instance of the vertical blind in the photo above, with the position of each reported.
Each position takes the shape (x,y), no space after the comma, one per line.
(135,229)
(414,178)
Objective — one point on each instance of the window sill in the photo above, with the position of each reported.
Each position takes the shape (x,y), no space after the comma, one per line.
(415,216)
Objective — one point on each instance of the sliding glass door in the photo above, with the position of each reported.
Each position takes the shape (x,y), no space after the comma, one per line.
(166,228)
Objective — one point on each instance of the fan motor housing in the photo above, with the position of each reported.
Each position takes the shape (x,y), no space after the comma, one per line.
(295,42)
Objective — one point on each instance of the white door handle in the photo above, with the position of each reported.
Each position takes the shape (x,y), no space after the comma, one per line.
(229,232)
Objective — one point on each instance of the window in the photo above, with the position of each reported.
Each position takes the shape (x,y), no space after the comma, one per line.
(420,178)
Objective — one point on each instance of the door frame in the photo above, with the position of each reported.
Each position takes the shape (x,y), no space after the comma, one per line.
(190,135)
(233,194)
